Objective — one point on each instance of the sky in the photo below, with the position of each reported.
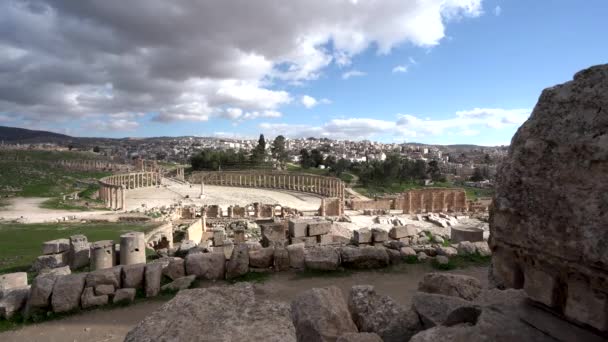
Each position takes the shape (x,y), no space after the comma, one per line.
(428,71)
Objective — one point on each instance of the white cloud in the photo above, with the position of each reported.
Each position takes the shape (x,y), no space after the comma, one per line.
(113,125)
(464,123)
(353,73)
(309,101)
(400,69)
(82,59)
(497,11)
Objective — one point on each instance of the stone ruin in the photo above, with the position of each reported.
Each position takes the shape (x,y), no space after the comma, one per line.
(549,224)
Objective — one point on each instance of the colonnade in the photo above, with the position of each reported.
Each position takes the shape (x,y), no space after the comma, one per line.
(91,165)
(320,185)
(433,200)
(112,189)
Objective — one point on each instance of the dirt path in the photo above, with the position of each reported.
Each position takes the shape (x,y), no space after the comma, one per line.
(27,210)
(113,324)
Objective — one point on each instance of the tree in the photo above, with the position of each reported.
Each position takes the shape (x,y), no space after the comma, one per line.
(96,149)
(477,175)
(434,171)
(258,155)
(341,166)
(317,158)
(487,159)
(305,159)
(278,149)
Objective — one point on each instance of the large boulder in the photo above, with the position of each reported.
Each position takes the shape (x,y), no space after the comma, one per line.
(13,301)
(50,261)
(434,309)
(42,287)
(55,246)
(80,251)
(67,291)
(321,314)
(11,281)
(238,265)
(322,258)
(153,274)
(175,269)
(227,313)
(281,259)
(449,284)
(364,257)
(381,315)
(179,284)
(359,337)
(89,299)
(106,276)
(296,255)
(548,222)
(133,275)
(210,266)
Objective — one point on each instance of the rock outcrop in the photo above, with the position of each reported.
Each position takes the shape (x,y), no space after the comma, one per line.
(548,222)
(229,313)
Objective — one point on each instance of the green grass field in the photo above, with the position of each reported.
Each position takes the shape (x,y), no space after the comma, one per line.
(20,244)
(311,170)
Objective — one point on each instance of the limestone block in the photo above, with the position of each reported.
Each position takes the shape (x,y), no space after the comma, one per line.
(359,337)
(407,251)
(472,234)
(298,227)
(175,269)
(274,234)
(219,236)
(262,258)
(281,259)
(210,266)
(585,305)
(41,289)
(447,284)
(153,274)
(399,232)
(50,261)
(308,241)
(466,248)
(124,296)
(13,301)
(393,244)
(318,228)
(322,258)
(11,281)
(539,285)
(238,265)
(67,291)
(80,252)
(107,276)
(133,275)
(363,235)
(379,235)
(55,246)
(321,314)
(325,239)
(447,251)
(434,309)
(104,289)
(422,256)
(482,248)
(381,315)
(179,284)
(296,255)
(88,299)
(364,257)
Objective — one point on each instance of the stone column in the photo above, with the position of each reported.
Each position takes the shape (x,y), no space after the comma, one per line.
(102,255)
(111,193)
(124,198)
(132,248)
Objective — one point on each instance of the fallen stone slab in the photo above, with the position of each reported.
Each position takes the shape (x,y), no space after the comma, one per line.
(321,314)
(133,275)
(319,228)
(50,261)
(407,251)
(322,258)
(106,276)
(124,296)
(434,309)
(261,258)
(153,274)
(227,313)
(281,259)
(80,252)
(179,284)
(13,301)
(238,265)
(399,232)
(210,266)
(67,291)
(55,246)
(363,235)
(367,257)
(298,227)
(381,315)
(449,284)
(296,255)
(89,299)
(12,281)
(101,290)
(380,234)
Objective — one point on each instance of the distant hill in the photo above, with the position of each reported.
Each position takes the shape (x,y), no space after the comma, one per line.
(14,135)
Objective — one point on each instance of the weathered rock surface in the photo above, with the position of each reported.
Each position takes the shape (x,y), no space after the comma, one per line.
(318,228)
(381,315)
(210,266)
(363,235)
(133,275)
(229,313)
(55,246)
(367,257)
(153,275)
(238,264)
(124,296)
(359,337)
(179,284)
(107,276)
(296,255)
(280,259)
(13,301)
(322,258)
(67,291)
(11,281)
(89,299)
(548,222)
(449,284)
(434,309)
(321,314)
(50,261)
(80,251)
(175,269)
(261,258)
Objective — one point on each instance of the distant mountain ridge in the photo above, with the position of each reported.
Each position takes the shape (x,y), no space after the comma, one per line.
(15,134)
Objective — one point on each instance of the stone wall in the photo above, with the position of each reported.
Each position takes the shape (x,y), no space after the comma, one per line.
(548,224)
(376,204)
